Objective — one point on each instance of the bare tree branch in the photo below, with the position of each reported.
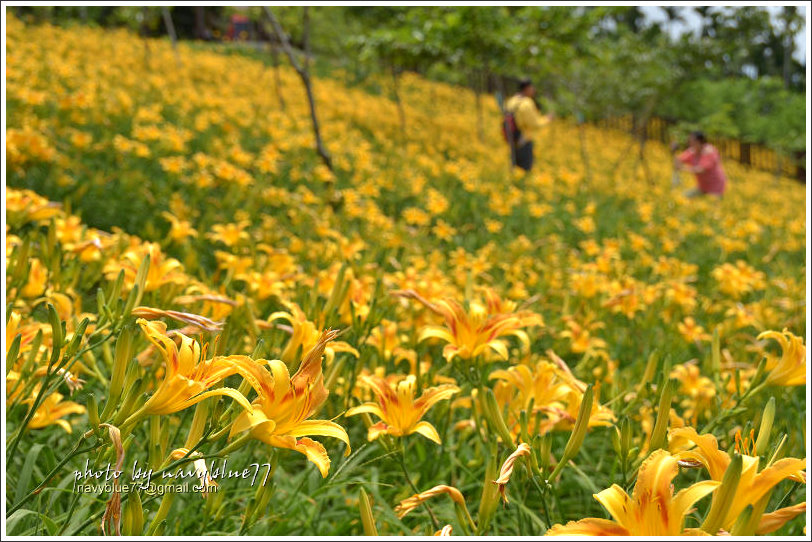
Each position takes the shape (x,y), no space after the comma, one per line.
(304,74)
(170,29)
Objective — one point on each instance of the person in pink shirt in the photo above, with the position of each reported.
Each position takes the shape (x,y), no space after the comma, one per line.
(703,160)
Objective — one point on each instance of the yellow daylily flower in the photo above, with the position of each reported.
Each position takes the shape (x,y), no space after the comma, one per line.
(229,234)
(753,485)
(181,229)
(279,414)
(790,370)
(554,392)
(473,333)
(51,410)
(305,336)
(27,331)
(162,270)
(652,510)
(541,385)
(188,375)
(399,411)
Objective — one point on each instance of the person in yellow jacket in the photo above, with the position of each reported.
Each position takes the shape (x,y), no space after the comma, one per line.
(528,120)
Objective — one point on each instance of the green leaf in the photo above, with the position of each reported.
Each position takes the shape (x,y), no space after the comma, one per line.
(14,519)
(25,473)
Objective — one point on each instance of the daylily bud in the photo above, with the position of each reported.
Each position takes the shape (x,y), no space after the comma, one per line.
(648,373)
(133,520)
(78,335)
(724,496)
(32,360)
(198,424)
(742,522)
(658,434)
(128,405)
(750,525)
(93,411)
(495,419)
(616,443)
(101,303)
(13,351)
(115,291)
(765,427)
(581,424)
(544,447)
(141,278)
(132,301)
(759,373)
(625,434)
(523,423)
(154,449)
(578,432)
(120,362)
(335,294)
(158,522)
(490,491)
(367,519)
(56,328)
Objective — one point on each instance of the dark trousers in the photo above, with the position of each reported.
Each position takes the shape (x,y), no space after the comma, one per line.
(523,156)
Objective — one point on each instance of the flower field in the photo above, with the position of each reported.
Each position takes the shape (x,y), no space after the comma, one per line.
(421,341)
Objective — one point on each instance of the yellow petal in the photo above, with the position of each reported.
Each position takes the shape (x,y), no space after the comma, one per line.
(437,333)
(715,460)
(588,527)
(500,348)
(314,451)
(655,476)
(377,430)
(249,419)
(323,428)
(428,431)
(434,395)
(775,520)
(371,408)
(230,392)
(616,502)
(686,498)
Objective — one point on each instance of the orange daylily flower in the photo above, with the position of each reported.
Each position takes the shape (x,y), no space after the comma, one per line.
(188,375)
(753,485)
(397,408)
(551,390)
(279,415)
(473,333)
(652,510)
(305,335)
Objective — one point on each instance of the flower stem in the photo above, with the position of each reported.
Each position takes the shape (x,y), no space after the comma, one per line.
(402,463)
